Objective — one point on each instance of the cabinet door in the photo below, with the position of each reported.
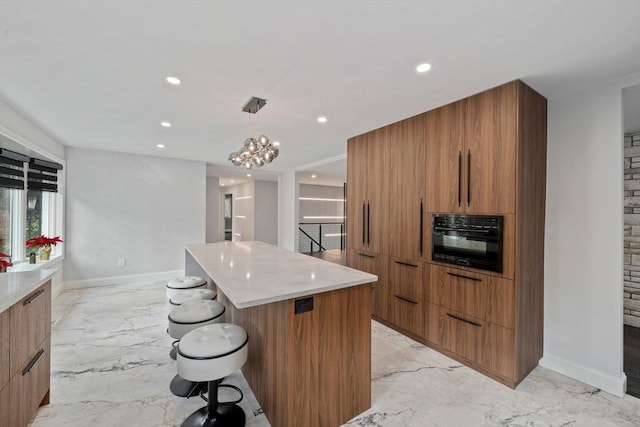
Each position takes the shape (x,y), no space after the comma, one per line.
(377,200)
(356,191)
(30,324)
(5,407)
(4,348)
(490,157)
(406,197)
(498,352)
(444,168)
(406,296)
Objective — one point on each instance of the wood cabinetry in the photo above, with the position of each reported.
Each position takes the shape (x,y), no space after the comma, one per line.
(368,192)
(407,193)
(4,349)
(471,153)
(28,343)
(483,155)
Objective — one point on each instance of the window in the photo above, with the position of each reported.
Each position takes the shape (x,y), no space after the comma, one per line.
(5,219)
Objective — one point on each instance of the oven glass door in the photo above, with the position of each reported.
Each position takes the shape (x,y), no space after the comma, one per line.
(467,244)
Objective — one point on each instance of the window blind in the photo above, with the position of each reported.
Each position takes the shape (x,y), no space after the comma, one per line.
(43,175)
(12,169)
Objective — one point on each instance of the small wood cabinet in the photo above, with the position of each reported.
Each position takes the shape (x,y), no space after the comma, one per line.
(471,153)
(26,337)
(406,301)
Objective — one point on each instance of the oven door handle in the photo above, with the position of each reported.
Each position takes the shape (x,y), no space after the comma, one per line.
(461,230)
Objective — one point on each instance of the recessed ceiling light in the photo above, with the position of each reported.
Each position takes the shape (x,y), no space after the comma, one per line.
(423,68)
(173,80)
(160,145)
(322,119)
(232,181)
(248,175)
(313,176)
(221,185)
(165,124)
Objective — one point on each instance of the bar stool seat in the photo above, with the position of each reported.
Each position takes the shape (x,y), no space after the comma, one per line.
(179,284)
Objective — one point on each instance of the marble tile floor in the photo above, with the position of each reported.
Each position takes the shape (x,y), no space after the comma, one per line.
(110,367)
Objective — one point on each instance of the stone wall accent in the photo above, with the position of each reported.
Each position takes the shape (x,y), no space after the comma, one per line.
(632,229)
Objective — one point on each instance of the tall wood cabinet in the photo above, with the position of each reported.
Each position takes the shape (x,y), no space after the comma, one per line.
(483,155)
(368,192)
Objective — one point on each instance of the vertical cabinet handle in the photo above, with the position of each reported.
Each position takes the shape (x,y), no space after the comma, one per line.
(469,178)
(368,223)
(421,228)
(459,178)
(363,224)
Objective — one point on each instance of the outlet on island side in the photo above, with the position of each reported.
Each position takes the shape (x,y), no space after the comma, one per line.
(122,262)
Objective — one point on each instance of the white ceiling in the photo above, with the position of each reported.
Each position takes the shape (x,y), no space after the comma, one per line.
(92,72)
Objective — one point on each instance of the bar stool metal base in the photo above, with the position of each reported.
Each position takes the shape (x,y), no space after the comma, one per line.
(227,415)
(216,414)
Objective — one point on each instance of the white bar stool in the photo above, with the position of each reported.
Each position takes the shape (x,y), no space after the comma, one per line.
(193,295)
(211,353)
(179,284)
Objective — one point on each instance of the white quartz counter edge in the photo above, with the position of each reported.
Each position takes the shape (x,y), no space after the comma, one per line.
(244,298)
(16,285)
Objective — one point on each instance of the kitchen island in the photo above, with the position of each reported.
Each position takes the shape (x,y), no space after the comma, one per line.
(309,326)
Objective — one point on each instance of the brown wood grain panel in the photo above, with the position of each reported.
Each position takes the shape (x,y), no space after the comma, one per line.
(436,284)
(490,155)
(532,156)
(445,174)
(28,387)
(378,183)
(5,407)
(4,348)
(30,324)
(407,193)
(303,381)
(344,355)
(498,352)
(432,326)
(356,190)
(462,335)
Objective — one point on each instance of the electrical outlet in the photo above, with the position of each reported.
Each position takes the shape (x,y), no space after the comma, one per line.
(122,262)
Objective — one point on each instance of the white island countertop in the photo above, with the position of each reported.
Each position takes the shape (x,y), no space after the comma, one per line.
(256,273)
(16,285)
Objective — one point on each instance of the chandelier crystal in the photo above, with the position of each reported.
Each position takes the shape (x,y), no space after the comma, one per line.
(255,152)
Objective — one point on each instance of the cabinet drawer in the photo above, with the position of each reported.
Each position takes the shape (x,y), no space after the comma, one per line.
(461,335)
(30,324)
(405,279)
(497,353)
(5,406)
(369,262)
(381,301)
(406,313)
(476,295)
(432,324)
(4,349)
(30,385)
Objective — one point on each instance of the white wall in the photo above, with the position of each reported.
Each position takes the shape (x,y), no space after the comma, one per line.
(583,239)
(142,208)
(213,210)
(243,211)
(266,212)
(288,190)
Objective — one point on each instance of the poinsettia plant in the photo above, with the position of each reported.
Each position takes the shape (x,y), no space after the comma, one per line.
(43,241)
(5,260)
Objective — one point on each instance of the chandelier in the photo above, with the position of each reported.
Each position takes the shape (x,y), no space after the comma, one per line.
(255,152)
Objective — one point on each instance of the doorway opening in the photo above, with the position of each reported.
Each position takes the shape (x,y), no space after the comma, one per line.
(228,217)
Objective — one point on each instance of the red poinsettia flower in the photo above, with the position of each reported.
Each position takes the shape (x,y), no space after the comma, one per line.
(36,242)
(5,260)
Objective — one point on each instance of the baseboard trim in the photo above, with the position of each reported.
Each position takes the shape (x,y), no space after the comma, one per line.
(611,384)
(122,280)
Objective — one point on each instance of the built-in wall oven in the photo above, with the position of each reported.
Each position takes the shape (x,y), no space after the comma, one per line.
(468,240)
